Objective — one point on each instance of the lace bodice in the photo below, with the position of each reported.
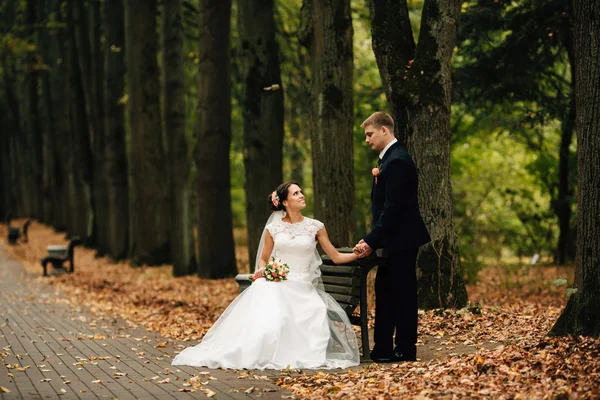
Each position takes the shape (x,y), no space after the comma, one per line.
(295,243)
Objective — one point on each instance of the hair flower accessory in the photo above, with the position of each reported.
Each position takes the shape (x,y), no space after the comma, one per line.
(275,198)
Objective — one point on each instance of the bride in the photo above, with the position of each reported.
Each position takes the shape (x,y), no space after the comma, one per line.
(287,324)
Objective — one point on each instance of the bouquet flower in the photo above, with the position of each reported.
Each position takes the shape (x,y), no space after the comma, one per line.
(275,270)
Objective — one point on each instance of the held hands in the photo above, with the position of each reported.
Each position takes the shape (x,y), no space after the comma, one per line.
(362,249)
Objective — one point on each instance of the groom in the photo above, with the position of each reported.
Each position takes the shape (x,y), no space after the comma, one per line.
(399,229)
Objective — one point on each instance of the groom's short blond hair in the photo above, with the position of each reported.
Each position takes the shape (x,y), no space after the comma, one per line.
(379,119)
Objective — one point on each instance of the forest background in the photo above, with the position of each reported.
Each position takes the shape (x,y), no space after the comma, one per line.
(156,129)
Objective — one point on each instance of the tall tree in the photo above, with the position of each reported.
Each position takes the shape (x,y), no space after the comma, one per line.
(149,229)
(15,135)
(212,135)
(327,32)
(417,82)
(262,110)
(58,109)
(182,249)
(581,315)
(80,165)
(49,54)
(100,197)
(116,166)
(34,150)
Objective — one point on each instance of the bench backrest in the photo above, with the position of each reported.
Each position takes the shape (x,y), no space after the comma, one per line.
(342,282)
(26,227)
(75,241)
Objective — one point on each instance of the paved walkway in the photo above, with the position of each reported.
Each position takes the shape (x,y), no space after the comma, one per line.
(52,349)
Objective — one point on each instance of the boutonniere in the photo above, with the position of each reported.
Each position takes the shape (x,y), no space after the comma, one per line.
(376,171)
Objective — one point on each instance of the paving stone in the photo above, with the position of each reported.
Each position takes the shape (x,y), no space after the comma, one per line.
(39,328)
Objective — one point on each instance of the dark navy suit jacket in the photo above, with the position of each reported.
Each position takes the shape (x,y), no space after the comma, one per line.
(397,221)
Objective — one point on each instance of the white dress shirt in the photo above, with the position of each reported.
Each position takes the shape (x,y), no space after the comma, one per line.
(386,148)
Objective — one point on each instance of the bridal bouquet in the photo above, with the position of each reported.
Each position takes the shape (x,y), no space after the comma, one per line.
(275,270)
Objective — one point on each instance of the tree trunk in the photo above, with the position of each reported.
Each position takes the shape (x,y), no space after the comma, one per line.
(418,87)
(182,244)
(563,206)
(84,56)
(100,196)
(14,137)
(4,171)
(149,231)
(35,136)
(564,200)
(117,187)
(296,145)
(80,164)
(581,316)
(212,142)
(263,113)
(60,144)
(332,117)
(49,53)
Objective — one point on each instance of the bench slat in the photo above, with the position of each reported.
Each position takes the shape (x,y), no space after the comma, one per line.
(340,270)
(350,290)
(341,280)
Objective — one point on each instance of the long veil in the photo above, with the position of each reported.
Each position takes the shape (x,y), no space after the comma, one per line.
(342,349)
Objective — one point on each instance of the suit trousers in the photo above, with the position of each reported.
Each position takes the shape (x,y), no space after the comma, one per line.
(396,307)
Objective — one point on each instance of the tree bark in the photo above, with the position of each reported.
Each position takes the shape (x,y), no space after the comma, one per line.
(418,86)
(262,111)
(116,165)
(78,148)
(100,196)
(212,142)
(14,137)
(35,135)
(332,116)
(86,34)
(49,54)
(149,231)
(60,143)
(564,200)
(581,315)
(182,244)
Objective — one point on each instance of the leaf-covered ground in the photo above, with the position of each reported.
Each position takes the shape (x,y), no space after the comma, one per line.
(497,348)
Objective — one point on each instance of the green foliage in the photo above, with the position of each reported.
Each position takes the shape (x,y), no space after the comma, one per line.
(501,204)
(512,91)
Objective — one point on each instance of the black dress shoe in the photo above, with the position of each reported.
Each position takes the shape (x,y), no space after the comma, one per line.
(379,357)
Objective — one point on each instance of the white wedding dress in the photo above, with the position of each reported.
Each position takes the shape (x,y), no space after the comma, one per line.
(276,325)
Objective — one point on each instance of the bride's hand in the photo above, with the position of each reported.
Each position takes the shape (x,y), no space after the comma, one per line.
(259,274)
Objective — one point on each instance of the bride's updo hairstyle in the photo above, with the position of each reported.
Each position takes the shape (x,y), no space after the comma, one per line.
(275,199)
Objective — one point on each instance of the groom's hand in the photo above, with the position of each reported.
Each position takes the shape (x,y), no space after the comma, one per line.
(358,247)
(366,249)
(362,249)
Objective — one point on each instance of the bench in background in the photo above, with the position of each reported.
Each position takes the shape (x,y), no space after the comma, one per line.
(57,255)
(15,232)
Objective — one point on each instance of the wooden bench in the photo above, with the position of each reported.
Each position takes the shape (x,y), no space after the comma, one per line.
(347,284)
(15,232)
(57,255)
